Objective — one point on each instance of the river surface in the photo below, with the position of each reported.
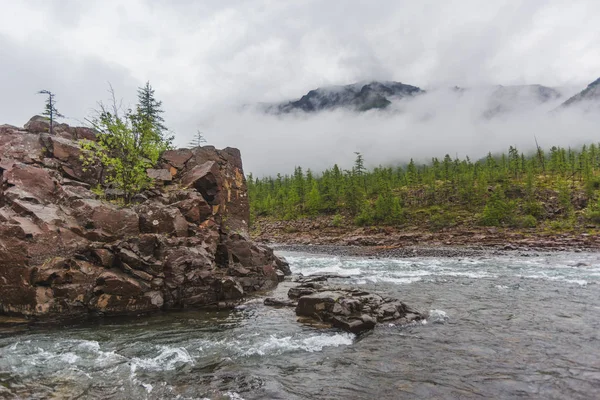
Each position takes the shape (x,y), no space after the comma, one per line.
(514,326)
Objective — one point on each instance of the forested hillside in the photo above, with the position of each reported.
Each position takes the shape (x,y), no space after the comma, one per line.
(557,188)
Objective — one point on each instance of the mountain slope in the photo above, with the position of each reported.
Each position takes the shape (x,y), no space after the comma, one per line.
(357,97)
(519,98)
(588,98)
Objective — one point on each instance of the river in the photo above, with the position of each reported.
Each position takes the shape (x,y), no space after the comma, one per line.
(511,326)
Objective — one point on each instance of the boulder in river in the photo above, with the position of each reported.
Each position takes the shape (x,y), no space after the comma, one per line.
(352,310)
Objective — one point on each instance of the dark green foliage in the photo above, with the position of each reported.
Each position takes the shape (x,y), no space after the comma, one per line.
(593,216)
(50,110)
(149,108)
(126,147)
(440,219)
(527,221)
(313,200)
(337,220)
(511,189)
(534,208)
(498,211)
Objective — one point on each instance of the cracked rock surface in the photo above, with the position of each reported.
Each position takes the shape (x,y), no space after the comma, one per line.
(64,252)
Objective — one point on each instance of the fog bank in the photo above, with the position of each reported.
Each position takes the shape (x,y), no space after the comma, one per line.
(432,125)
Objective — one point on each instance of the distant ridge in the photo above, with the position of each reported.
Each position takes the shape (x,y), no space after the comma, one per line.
(588,98)
(519,98)
(378,95)
(356,97)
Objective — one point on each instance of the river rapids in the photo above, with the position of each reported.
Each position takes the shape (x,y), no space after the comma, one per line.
(512,326)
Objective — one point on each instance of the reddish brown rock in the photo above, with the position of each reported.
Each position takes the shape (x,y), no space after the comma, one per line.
(18,145)
(65,253)
(83,133)
(96,215)
(204,179)
(177,158)
(163,175)
(38,124)
(194,208)
(30,179)
(157,218)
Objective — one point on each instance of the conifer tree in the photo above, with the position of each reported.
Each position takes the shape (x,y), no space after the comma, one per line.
(50,110)
(127,146)
(198,139)
(149,108)
(313,200)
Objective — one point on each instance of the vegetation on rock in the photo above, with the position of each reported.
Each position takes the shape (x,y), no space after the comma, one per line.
(50,110)
(129,142)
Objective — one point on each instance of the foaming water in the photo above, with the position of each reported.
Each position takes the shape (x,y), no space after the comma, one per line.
(496,327)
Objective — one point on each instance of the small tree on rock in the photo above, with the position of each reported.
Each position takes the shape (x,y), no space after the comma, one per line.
(127,146)
(50,110)
(149,108)
(198,139)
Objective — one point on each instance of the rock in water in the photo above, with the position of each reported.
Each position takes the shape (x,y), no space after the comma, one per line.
(352,310)
(65,253)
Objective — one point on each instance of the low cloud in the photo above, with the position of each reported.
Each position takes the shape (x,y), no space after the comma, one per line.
(432,125)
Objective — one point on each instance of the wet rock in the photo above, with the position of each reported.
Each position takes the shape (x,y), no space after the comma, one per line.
(273,302)
(297,292)
(349,309)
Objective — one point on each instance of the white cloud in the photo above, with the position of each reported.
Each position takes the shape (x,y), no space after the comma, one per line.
(203,57)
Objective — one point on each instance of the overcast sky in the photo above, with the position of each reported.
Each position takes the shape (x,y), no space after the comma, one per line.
(205,57)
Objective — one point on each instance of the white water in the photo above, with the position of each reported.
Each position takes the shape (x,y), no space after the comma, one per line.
(502,327)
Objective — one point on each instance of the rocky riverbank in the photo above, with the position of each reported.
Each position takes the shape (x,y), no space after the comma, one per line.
(66,250)
(417,240)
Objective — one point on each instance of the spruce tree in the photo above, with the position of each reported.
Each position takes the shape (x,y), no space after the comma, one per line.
(149,108)
(198,139)
(50,110)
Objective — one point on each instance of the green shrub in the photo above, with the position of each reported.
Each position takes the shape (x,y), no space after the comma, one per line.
(561,224)
(535,209)
(527,221)
(593,216)
(337,220)
(498,211)
(442,220)
(290,229)
(365,217)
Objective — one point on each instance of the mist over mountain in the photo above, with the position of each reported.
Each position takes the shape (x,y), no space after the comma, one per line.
(375,95)
(588,99)
(414,124)
(520,98)
(356,97)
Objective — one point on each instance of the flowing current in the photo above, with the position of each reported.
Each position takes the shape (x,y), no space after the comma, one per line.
(514,326)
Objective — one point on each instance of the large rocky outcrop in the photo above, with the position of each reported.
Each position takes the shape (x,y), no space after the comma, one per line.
(66,252)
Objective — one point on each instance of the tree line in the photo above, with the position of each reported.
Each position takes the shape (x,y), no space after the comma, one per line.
(508,189)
